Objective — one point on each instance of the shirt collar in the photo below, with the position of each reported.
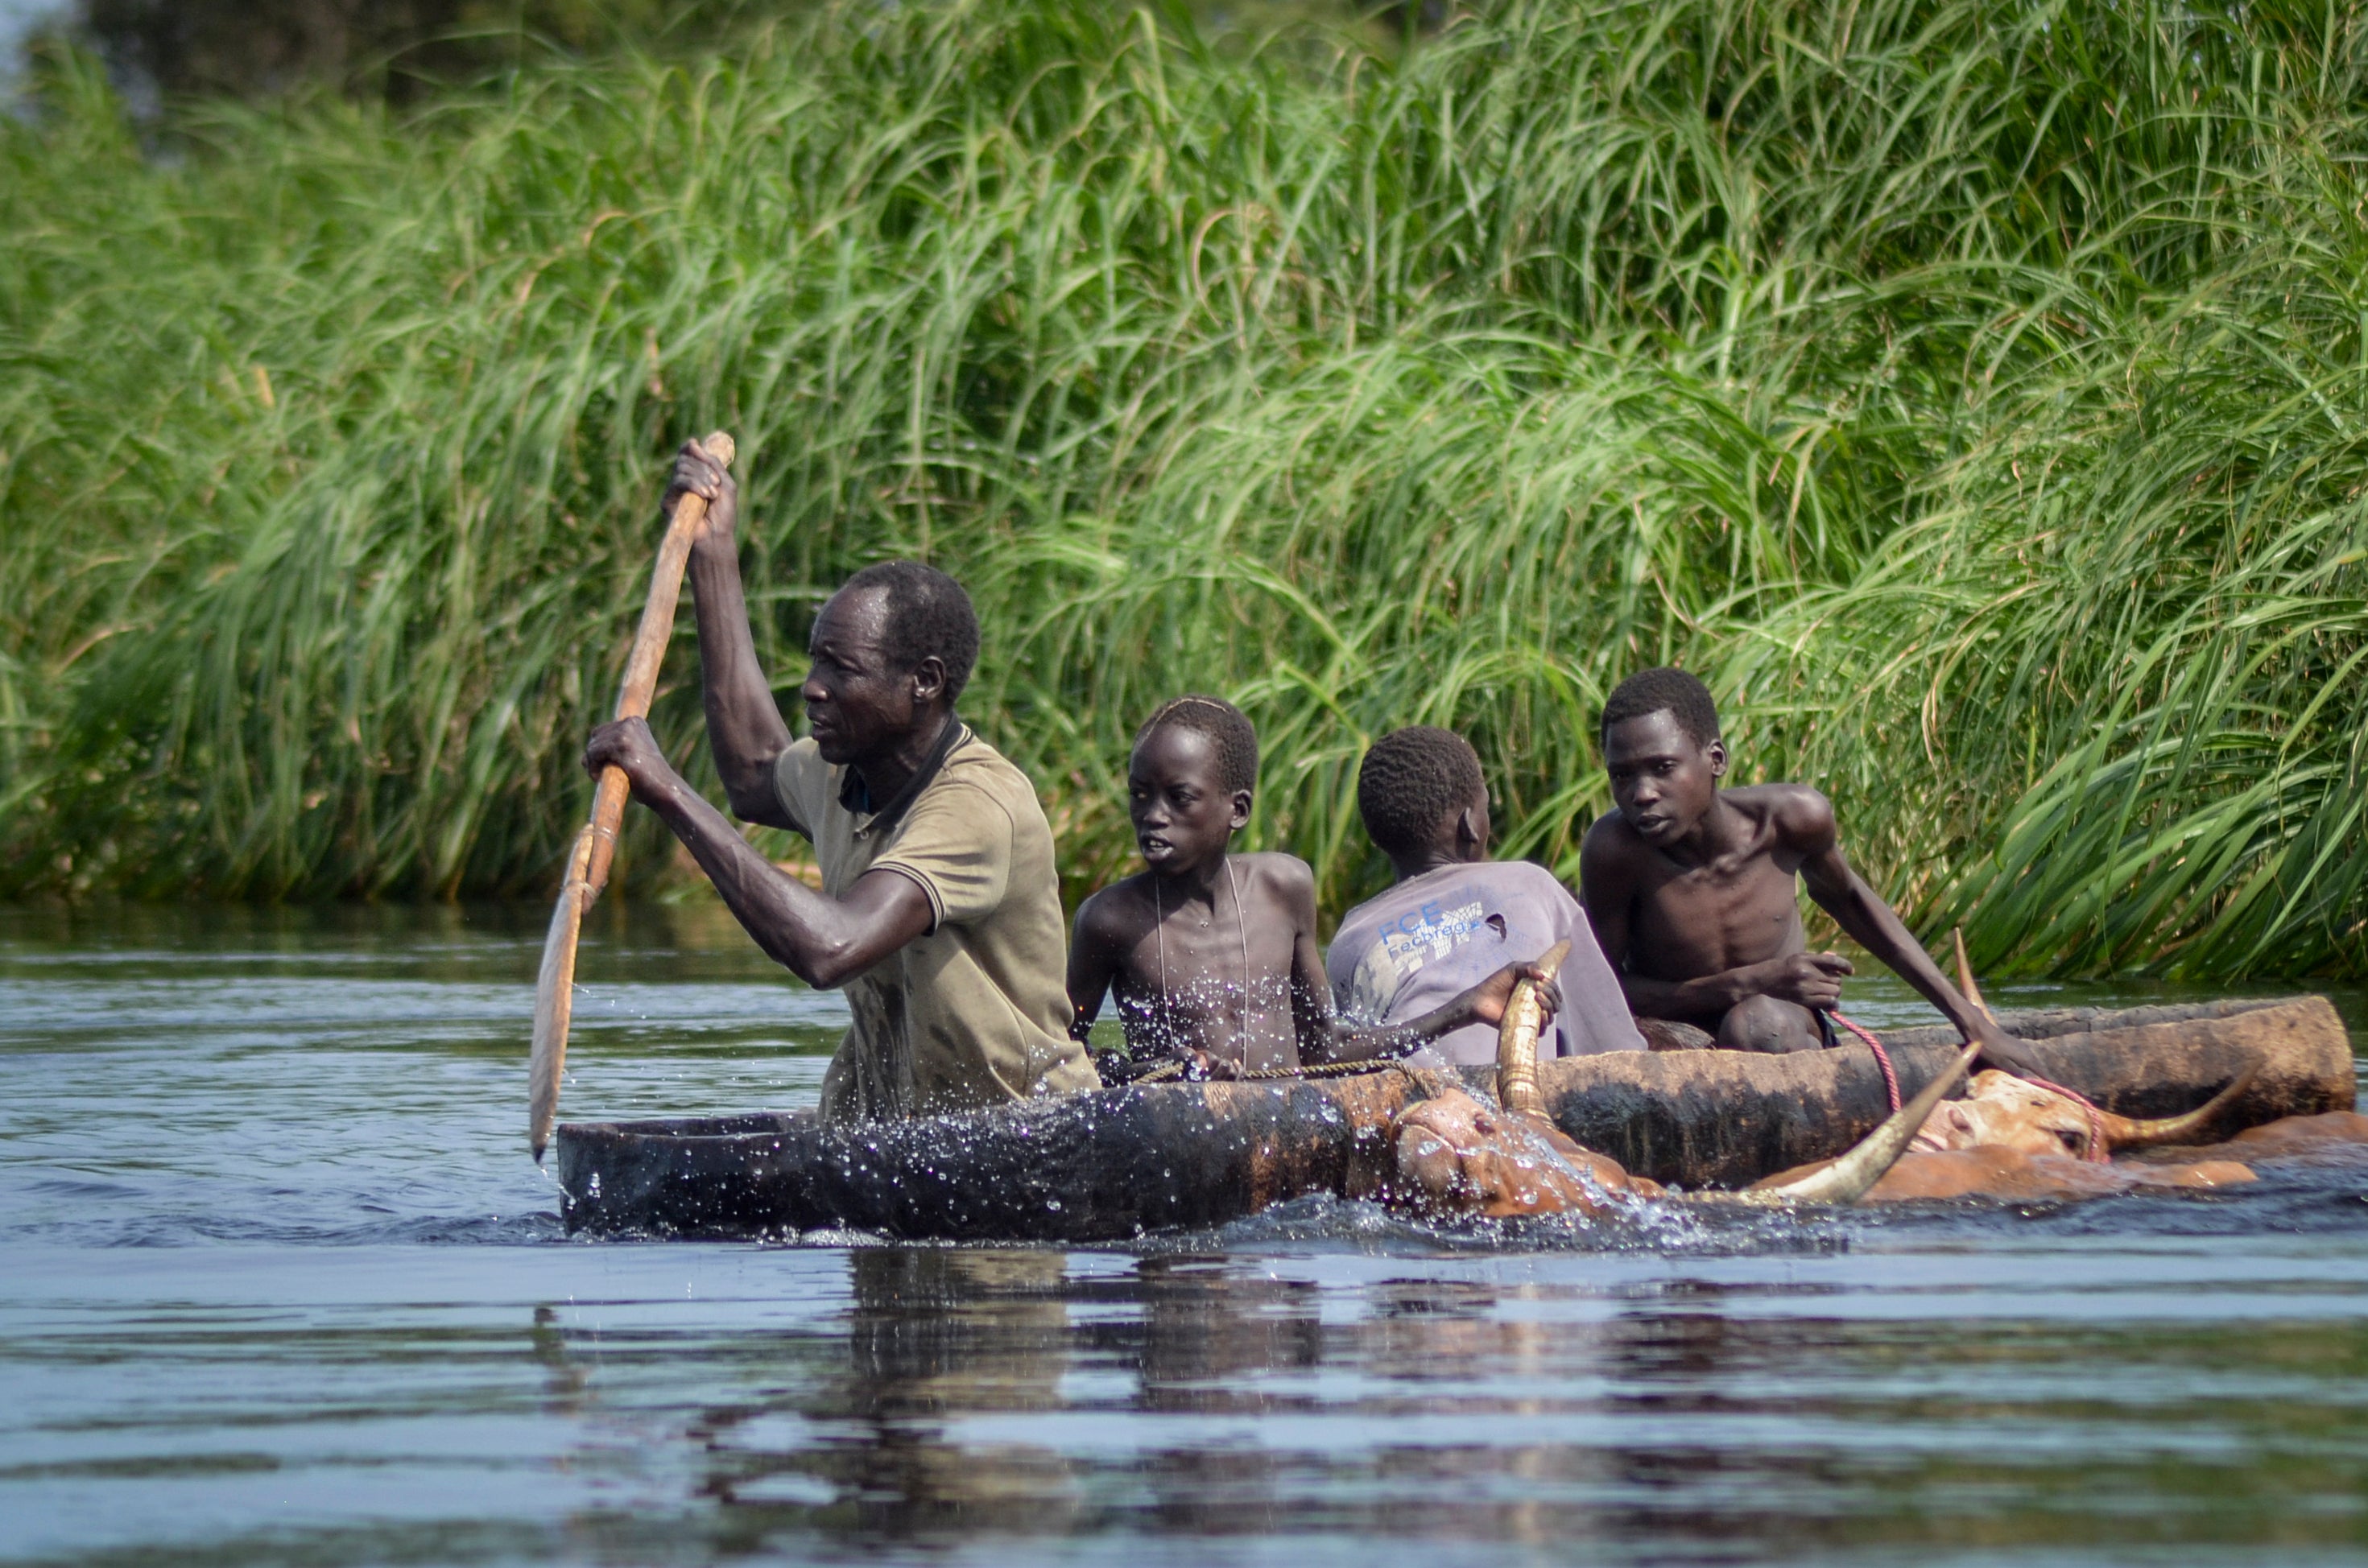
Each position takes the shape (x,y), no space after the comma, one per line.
(855,795)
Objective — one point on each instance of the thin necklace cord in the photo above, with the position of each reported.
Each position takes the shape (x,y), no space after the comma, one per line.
(1241,929)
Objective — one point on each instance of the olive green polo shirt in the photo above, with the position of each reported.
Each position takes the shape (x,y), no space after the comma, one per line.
(977,1011)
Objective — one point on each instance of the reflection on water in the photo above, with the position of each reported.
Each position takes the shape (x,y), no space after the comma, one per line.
(278,1285)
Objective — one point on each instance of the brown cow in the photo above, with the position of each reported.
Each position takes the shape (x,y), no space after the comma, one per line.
(2331,1138)
(1459,1155)
(2008,1139)
(1455,1155)
(2003,1112)
(2015,1141)
(2010,1175)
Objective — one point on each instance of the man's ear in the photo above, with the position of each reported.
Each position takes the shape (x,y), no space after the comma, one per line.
(1241,817)
(1467,829)
(1716,752)
(928,681)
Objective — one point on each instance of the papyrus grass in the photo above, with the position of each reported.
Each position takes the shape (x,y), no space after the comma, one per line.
(1976,394)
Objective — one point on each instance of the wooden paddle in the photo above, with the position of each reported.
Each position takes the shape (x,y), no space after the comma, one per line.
(596,846)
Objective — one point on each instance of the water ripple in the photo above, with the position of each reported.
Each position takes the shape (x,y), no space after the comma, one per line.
(278,1285)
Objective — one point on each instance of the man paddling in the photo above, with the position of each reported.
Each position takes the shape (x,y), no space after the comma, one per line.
(939,913)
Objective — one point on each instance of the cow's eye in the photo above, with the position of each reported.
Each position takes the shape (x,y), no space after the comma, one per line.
(2074,1141)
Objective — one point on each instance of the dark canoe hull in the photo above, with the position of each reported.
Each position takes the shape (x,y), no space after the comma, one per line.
(1112,1165)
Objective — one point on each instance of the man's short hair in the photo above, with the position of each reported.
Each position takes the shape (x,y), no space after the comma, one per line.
(928,615)
(1664,690)
(1229,730)
(1413,779)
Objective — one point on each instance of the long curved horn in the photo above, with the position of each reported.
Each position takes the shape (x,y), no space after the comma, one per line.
(1847,1178)
(2139,1133)
(1517,1039)
(1966,984)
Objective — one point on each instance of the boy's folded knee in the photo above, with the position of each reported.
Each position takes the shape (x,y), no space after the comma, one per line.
(1768,1024)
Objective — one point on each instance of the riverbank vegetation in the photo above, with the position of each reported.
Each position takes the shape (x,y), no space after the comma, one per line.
(1977,395)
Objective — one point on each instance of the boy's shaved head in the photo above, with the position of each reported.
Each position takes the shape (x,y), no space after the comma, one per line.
(1664,690)
(1413,779)
(1230,734)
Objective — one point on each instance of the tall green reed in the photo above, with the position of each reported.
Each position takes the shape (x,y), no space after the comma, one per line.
(1970,394)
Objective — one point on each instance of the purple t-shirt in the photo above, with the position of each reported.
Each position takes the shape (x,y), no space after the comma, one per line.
(1429,939)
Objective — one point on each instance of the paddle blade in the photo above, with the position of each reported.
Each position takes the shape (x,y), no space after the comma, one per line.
(554,994)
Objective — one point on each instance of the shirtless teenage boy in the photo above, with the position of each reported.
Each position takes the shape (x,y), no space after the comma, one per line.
(1212,956)
(1690,886)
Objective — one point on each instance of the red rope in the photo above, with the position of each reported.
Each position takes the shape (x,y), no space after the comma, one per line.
(2096,1153)
(1882,1057)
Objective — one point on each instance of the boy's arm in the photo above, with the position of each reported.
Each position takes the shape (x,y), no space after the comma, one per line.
(1811,979)
(1809,830)
(1323,1036)
(1604,892)
(1483,1004)
(1607,891)
(1595,1016)
(1093,964)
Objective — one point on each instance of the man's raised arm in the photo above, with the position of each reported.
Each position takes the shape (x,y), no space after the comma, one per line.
(824,941)
(745,727)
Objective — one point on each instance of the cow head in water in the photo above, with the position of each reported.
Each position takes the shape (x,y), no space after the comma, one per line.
(1457,1155)
(2001,1111)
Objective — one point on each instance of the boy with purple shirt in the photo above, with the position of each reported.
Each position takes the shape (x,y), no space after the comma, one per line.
(1454,917)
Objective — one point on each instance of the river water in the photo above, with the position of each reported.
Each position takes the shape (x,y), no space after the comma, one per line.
(278,1285)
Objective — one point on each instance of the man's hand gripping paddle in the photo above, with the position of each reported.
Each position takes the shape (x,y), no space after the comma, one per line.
(596,846)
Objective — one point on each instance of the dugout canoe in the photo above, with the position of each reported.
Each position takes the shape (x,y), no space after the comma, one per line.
(1118,1163)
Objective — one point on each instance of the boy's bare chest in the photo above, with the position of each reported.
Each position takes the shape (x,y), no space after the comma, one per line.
(1213,986)
(1698,920)
(1196,953)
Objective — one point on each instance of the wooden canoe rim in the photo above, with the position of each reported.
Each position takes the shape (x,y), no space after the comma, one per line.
(1114,1163)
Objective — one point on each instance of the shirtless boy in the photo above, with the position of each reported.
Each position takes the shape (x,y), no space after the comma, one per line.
(1212,956)
(1691,888)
